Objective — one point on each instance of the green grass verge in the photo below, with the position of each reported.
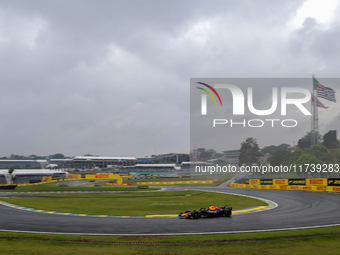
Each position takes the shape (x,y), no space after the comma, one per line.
(176,238)
(306,245)
(54,187)
(220,179)
(133,204)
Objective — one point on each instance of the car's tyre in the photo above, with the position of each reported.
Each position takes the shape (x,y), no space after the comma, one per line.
(195,215)
(228,213)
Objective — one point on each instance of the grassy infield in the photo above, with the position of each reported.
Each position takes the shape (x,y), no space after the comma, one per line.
(10,244)
(132,204)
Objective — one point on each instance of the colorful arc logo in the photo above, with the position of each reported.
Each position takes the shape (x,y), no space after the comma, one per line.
(209,93)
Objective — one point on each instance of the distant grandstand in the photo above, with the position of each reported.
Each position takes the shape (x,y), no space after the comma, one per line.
(85,162)
(31,175)
(160,163)
(154,168)
(20,163)
(187,166)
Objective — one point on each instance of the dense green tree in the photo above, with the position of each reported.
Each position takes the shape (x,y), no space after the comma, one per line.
(279,157)
(284,146)
(268,149)
(318,149)
(307,159)
(335,154)
(272,148)
(17,157)
(249,152)
(35,157)
(57,156)
(321,153)
(294,156)
(335,145)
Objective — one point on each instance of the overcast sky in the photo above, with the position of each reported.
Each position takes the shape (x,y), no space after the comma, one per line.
(112,78)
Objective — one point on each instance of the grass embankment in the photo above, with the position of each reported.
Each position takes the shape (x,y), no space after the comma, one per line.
(53,187)
(132,204)
(213,177)
(247,243)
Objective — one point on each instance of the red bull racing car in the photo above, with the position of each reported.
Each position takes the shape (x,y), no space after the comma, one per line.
(211,211)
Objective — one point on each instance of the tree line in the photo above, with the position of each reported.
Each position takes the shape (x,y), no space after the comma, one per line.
(283,154)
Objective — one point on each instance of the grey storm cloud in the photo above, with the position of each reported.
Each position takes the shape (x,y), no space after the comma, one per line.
(112,77)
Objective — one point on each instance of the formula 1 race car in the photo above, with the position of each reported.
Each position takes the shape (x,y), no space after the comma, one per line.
(211,211)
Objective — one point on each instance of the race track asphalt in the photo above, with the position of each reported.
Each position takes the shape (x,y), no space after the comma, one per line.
(296,209)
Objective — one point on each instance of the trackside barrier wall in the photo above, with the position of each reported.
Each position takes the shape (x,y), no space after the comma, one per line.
(266,181)
(47,179)
(287,187)
(38,183)
(176,182)
(298,182)
(105,176)
(333,182)
(317,182)
(73,176)
(254,181)
(115,184)
(280,181)
(96,176)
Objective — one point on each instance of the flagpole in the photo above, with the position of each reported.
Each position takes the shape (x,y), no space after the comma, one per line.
(316,124)
(312,118)
(323,92)
(315,119)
